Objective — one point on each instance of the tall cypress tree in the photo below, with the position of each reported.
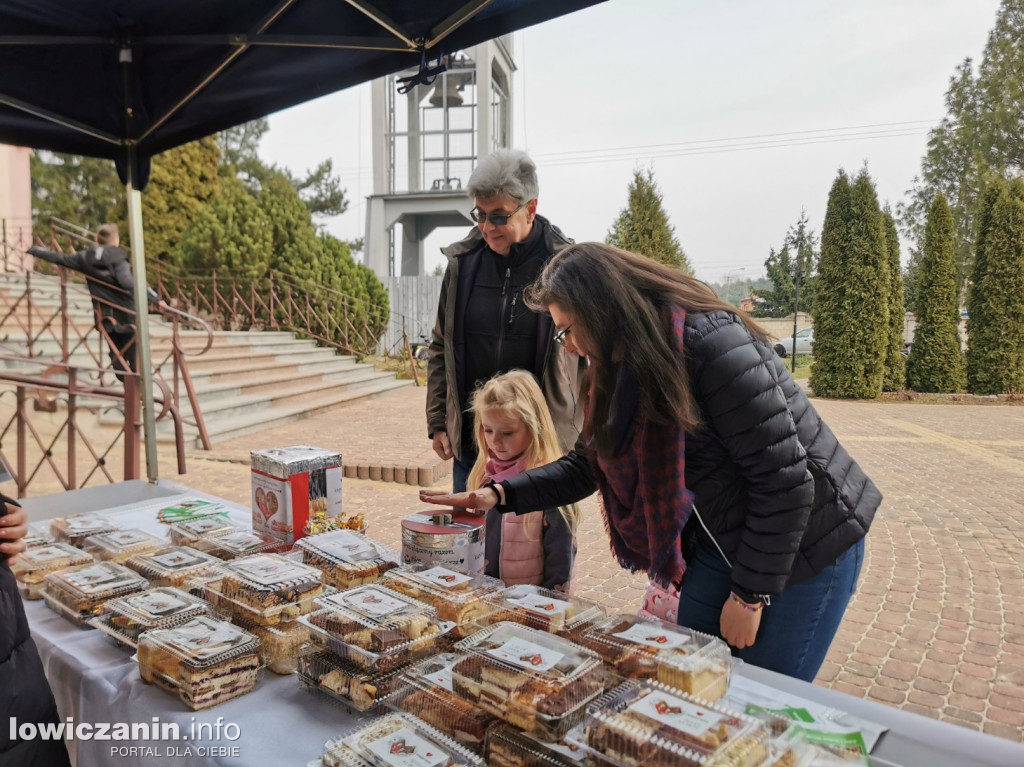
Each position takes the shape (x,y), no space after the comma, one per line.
(851,309)
(996,325)
(895,362)
(643,227)
(936,363)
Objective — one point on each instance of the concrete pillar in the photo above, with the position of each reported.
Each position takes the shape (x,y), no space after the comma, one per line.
(379,131)
(377,252)
(412,246)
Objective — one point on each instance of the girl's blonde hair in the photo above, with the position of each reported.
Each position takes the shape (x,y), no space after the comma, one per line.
(516,394)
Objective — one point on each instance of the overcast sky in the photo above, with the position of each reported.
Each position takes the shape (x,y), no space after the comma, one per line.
(745,109)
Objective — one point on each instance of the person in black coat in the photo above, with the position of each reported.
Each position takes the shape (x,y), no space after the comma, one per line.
(715,472)
(24,692)
(105,266)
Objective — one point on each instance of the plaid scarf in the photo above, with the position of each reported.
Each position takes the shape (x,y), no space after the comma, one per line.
(644,498)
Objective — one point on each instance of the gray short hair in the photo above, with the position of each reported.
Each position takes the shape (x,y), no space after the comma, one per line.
(505,173)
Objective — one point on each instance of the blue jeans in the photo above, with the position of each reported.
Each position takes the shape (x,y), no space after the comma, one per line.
(796,629)
(460,471)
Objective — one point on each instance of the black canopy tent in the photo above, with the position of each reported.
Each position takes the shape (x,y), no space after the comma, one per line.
(127,79)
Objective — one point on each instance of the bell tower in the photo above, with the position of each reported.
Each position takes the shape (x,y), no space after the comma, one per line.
(426,143)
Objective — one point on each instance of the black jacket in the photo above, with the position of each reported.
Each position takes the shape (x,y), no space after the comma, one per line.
(24,692)
(109,278)
(776,490)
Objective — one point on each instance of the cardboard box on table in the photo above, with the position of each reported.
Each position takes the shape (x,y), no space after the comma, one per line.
(290,484)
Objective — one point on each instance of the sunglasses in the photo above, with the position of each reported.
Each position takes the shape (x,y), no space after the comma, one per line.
(561,334)
(496,219)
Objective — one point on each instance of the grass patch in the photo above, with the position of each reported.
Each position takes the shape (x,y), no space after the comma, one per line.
(803,365)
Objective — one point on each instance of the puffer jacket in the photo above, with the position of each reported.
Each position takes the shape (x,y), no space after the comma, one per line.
(560,371)
(777,492)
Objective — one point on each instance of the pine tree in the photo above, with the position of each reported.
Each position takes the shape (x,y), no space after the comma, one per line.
(936,363)
(851,310)
(83,190)
(795,261)
(643,227)
(996,324)
(895,362)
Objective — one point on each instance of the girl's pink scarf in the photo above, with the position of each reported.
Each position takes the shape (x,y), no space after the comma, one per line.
(497,470)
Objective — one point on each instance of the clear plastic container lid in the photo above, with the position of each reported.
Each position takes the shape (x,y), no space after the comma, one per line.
(427,692)
(543,609)
(79,592)
(173,565)
(120,544)
(280,645)
(200,643)
(190,532)
(507,745)
(240,543)
(399,739)
(125,618)
(77,527)
(38,535)
(357,689)
(34,563)
(265,588)
(648,648)
(529,678)
(347,558)
(457,596)
(375,626)
(648,722)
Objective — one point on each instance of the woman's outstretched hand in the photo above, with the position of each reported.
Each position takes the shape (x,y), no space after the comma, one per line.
(477,501)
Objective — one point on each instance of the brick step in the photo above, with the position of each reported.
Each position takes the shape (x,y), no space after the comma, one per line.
(272,385)
(246,372)
(230,357)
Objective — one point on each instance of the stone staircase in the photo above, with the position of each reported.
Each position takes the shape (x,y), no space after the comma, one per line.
(247,381)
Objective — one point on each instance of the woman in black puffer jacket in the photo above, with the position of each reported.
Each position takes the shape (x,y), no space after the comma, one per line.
(24,692)
(715,472)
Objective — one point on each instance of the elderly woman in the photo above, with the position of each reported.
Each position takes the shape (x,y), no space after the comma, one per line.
(715,471)
(483,326)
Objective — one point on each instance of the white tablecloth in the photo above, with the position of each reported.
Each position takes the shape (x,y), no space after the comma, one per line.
(280,724)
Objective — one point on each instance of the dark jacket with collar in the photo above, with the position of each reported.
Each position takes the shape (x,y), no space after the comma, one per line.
(776,490)
(24,692)
(109,278)
(558,371)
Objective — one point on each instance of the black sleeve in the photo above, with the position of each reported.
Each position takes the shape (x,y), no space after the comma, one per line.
(67,260)
(559,551)
(123,277)
(565,481)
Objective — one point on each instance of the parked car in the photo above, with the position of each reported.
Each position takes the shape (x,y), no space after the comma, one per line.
(804,343)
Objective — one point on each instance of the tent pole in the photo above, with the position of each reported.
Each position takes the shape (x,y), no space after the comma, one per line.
(142,349)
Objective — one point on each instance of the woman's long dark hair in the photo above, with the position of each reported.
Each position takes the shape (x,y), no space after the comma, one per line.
(618,302)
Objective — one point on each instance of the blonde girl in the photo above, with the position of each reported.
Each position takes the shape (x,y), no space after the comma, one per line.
(514,432)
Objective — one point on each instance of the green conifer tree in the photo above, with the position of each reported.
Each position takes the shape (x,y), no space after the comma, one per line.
(851,309)
(996,324)
(936,362)
(643,227)
(895,362)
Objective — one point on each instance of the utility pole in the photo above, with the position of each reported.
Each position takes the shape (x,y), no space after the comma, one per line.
(796,313)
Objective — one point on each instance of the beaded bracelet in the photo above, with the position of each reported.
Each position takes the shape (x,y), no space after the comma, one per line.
(754,608)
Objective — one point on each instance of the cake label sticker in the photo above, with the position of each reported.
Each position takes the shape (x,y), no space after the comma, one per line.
(541,605)
(85,524)
(345,546)
(158,604)
(45,554)
(268,571)
(370,602)
(93,578)
(177,558)
(127,537)
(442,677)
(565,750)
(653,635)
(526,654)
(202,639)
(676,713)
(404,748)
(240,540)
(443,577)
(205,525)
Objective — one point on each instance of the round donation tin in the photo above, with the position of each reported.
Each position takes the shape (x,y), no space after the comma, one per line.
(451,538)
